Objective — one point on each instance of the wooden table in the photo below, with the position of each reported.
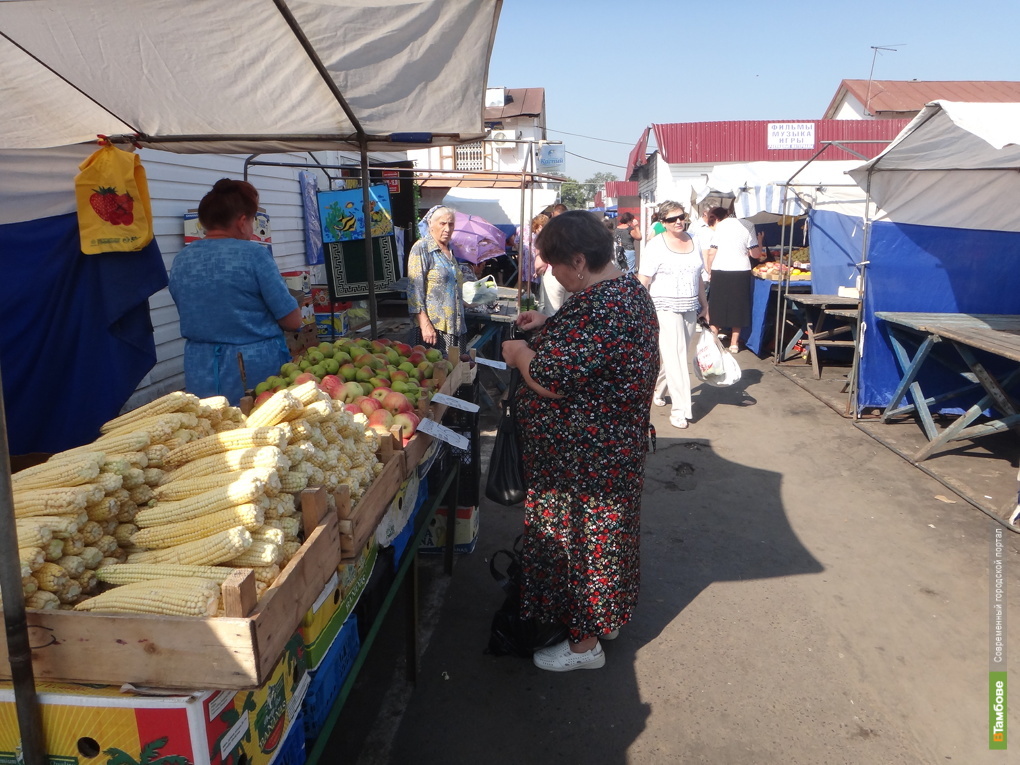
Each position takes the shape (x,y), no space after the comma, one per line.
(997,334)
(814,311)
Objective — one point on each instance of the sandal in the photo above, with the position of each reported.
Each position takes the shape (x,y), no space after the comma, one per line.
(734,349)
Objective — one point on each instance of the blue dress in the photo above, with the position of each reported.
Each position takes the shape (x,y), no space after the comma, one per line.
(230,296)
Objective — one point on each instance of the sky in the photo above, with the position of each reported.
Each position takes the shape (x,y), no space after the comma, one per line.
(610,69)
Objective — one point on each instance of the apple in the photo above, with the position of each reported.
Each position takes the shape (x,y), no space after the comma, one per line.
(398,374)
(402,348)
(378,382)
(419,347)
(314,356)
(382,374)
(365,373)
(289,368)
(368,405)
(400,386)
(342,357)
(366,388)
(348,371)
(304,364)
(305,377)
(378,346)
(326,349)
(425,368)
(356,352)
(364,342)
(406,366)
(395,403)
(318,370)
(351,391)
(380,393)
(433,355)
(380,421)
(332,366)
(353,408)
(417,357)
(262,398)
(392,356)
(369,360)
(333,385)
(405,424)
(262,387)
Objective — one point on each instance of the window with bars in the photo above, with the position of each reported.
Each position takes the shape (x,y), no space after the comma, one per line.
(469,156)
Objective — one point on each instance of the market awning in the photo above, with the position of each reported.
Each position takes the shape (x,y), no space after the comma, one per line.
(473,181)
(245,76)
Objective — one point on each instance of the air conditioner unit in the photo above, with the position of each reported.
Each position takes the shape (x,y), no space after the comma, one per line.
(504,139)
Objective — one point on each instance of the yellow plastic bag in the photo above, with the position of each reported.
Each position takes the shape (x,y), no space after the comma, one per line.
(112,195)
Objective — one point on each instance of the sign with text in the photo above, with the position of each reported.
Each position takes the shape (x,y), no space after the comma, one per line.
(791,135)
(443,433)
(456,403)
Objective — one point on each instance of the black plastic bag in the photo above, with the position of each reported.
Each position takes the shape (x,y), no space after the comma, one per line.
(510,634)
(505,482)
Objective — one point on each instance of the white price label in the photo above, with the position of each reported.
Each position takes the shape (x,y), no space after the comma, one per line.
(443,433)
(490,363)
(456,403)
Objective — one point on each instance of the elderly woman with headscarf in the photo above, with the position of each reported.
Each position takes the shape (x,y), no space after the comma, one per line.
(434,286)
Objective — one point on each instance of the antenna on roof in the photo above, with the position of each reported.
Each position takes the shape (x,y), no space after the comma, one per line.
(876,48)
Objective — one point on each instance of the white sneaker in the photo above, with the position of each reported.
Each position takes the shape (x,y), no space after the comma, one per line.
(659,401)
(611,635)
(559,658)
(678,422)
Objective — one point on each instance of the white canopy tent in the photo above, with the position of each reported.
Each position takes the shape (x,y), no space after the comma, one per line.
(248,76)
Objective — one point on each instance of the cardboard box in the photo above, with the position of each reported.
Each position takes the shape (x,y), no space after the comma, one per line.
(298,281)
(83,722)
(465,531)
(301,340)
(329,678)
(322,303)
(328,325)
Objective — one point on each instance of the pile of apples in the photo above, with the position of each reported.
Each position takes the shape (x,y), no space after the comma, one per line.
(382,379)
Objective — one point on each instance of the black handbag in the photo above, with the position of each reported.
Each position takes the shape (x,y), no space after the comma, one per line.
(505,482)
(510,634)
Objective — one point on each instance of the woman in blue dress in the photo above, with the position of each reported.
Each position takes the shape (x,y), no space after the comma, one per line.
(231,298)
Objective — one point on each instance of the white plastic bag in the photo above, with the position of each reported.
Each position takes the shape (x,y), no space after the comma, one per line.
(708,358)
(481,291)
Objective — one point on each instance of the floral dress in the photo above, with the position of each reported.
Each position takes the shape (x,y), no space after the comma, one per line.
(584,457)
(434,286)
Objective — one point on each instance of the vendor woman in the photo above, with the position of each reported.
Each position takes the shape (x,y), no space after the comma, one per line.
(231,298)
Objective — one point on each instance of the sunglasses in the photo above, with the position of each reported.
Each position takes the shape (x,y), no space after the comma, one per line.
(674,218)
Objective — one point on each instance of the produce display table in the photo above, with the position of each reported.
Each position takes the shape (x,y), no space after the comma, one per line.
(763,304)
(814,313)
(995,334)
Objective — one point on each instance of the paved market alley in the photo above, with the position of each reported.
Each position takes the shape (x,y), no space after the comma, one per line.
(788,614)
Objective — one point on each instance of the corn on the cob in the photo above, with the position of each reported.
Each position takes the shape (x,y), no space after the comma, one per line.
(41,600)
(217,443)
(70,592)
(237,493)
(28,586)
(172,534)
(109,480)
(32,557)
(103,510)
(141,495)
(316,412)
(50,577)
(293,481)
(282,405)
(56,500)
(213,407)
(238,459)
(123,533)
(60,470)
(289,549)
(91,556)
(176,401)
(178,597)
(113,444)
(155,454)
(265,574)
(53,550)
(177,490)
(259,553)
(269,534)
(33,536)
(72,564)
(88,581)
(306,392)
(217,548)
(74,544)
(160,427)
(128,573)
(153,476)
(90,533)
(107,545)
(128,511)
(133,478)
(291,527)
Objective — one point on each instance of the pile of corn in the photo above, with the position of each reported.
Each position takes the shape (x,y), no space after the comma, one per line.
(203,491)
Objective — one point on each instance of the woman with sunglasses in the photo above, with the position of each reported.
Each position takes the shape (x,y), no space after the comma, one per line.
(671,270)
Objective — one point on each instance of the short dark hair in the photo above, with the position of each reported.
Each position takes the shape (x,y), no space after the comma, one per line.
(558,209)
(572,233)
(626,217)
(227,200)
(719,213)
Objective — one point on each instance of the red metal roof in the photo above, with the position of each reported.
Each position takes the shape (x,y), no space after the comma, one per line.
(747,141)
(520,102)
(617,189)
(908,96)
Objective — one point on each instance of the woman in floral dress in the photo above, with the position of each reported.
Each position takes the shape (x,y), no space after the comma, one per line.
(589,372)
(434,287)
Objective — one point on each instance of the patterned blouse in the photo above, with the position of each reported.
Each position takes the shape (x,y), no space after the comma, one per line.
(434,286)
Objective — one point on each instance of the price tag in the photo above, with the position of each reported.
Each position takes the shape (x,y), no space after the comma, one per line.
(456,403)
(443,433)
(490,363)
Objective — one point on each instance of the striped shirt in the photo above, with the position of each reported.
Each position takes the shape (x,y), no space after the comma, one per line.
(676,276)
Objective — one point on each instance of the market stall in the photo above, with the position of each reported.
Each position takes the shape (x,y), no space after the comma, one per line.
(370,76)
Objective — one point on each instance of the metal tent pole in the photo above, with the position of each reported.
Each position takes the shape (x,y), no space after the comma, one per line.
(852,402)
(19,652)
(366,198)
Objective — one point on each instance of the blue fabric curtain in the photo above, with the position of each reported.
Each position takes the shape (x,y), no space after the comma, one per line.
(836,242)
(76,335)
(934,270)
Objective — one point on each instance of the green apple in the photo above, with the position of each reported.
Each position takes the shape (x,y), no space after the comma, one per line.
(342,357)
(365,373)
(332,366)
(433,355)
(319,371)
(304,365)
(262,387)
(399,386)
(349,372)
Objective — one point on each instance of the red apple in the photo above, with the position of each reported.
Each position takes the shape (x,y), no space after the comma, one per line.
(405,424)
(395,403)
(353,408)
(402,348)
(305,377)
(380,393)
(333,385)
(261,398)
(368,405)
(416,358)
(380,421)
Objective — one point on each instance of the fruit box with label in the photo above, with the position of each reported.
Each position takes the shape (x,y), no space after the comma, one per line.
(100,724)
(465,531)
(332,326)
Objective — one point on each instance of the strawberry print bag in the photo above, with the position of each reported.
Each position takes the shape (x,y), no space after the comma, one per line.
(112,196)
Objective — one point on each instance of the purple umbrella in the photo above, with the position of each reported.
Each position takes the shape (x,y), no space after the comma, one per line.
(475,239)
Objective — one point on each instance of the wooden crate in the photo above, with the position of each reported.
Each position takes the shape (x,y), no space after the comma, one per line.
(229,652)
(358,523)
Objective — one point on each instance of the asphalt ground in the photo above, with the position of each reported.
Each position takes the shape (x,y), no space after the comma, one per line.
(808,596)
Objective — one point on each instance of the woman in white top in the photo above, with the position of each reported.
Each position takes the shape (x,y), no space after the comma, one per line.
(670,268)
(728,262)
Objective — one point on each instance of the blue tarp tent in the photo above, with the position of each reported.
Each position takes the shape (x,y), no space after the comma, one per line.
(944,229)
